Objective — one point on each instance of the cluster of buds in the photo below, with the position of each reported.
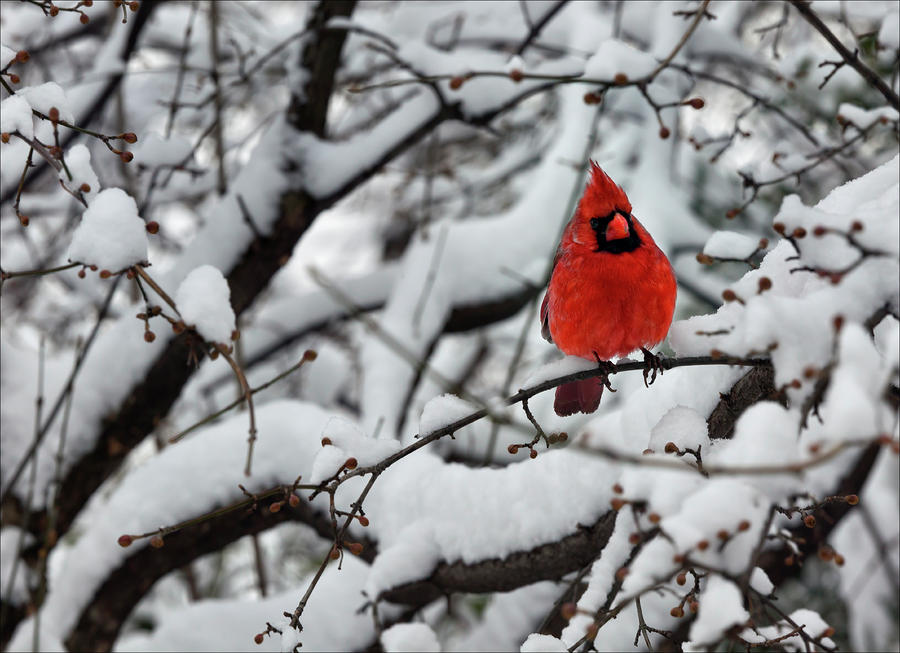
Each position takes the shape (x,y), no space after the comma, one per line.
(21,57)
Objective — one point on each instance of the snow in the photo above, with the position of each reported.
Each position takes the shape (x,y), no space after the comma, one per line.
(154,150)
(721,607)
(730,244)
(760,582)
(204,301)
(864,118)
(230,624)
(7,55)
(889,33)
(614,57)
(47,96)
(811,622)
(537,643)
(348,441)
(684,427)
(110,235)
(15,115)
(443,410)
(403,638)
(78,160)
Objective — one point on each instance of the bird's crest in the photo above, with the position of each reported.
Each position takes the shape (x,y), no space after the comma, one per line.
(602,195)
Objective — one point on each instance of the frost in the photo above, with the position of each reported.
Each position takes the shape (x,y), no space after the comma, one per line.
(721,607)
(730,244)
(403,638)
(111,235)
(204,301)
(15,115)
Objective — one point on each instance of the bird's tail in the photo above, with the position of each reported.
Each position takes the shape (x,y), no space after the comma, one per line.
(578,396)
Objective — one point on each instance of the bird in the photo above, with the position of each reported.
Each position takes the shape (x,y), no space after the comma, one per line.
(612,291)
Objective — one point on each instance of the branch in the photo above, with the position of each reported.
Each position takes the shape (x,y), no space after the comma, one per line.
(851,58)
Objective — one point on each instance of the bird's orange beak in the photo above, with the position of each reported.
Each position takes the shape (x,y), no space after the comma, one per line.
(617,228)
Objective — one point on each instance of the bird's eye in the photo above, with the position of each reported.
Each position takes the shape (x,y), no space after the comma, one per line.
(595,222)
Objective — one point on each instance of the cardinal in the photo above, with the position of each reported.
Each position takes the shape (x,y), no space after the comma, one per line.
(612,290)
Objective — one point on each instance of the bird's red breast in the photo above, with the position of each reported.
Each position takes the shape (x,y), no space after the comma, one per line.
(612,290)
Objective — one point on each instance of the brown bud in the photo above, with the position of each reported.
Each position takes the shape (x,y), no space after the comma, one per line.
(620,78)
(355,548)
(838,322)
(826,554)
(634,538)
(157,542)
(681,578)
(677,612)
(839,560)
(810,372)
(856,226)
(533,453)
(335,553)
(695,606)
(664,132)
(54,10)
(310,355)
(789,561)
(743,525)
(592,98)
(53,114)
(129,137)
(697,103)
(235,335)
(704,259)
(350,463)
(819,231)
(729,295)
(326,441)
(134,5)
(799,232)
(617,504)
(456,82)
(105,274)
(621,573)
(179,327)
(722,534)
(778,227)
(703,545)
(24,220)
(126,156)
(553,438)
(653,518)
(87,3)
(671,447)
(152,227)
(764,284)
(809,521)
(763,243)
(85,188)
(513,448)
(516,75)
(294,500)
(796,384)
(851,499)
(258,638)
(363,521)
(85,19)
(149,336)
(716,353)
(4,137)
(568,610)
(125,540)
(732,213)
(618,489)
(828,632)
(81,273)
(14,78)
(22,56)
(275,507)
(678,559)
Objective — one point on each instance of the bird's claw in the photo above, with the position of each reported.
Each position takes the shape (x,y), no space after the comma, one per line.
(654,366)
(608,368)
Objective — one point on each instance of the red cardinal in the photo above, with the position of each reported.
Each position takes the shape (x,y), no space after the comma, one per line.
(611,291)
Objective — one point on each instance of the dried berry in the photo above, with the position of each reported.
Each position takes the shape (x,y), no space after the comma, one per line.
(664,132)
(85,19)
(856,226)
(105,274)
(126,156)
(516,75)
(677,612)
(152,227)
(723,534)
(513,448)
(149,336)
(697,103)
(819,231)
(125,540)
(778,227)
(129,137)
(620,78)
(258,638)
